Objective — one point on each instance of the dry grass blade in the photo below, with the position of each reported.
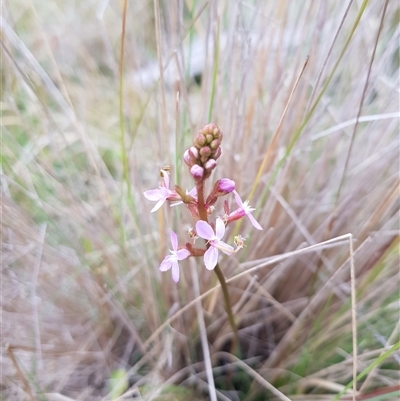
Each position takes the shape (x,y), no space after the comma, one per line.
(273,144)
(20,374)
(364,91)
(203,335)
(257,377)
(324,63)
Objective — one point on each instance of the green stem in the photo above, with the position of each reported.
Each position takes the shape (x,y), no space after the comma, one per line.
(228,308)
(203,216)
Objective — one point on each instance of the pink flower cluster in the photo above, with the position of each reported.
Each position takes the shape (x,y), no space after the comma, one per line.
(210,137)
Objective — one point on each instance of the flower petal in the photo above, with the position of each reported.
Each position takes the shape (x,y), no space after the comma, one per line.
(211,258)
(166,179)
(254,221)
(175,204)
(238,199)
(225,248)
(158,205)
(174,241)
(166,263)
(175,271)
(193,193)
(220,228)
(153,194)
(182,254)
(204,230)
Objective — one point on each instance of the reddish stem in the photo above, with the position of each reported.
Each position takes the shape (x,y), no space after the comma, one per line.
(200,201)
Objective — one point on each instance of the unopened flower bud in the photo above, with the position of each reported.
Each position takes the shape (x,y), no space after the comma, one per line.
(197,171)
(199,140)
(210,165)
(205,151)
(221,188)
(225,185)
(191,156)
(187,158)
(211,129)
(217,153)
(194,152)
(215,143)
(201,158)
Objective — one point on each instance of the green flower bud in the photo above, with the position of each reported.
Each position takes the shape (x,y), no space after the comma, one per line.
(209,138)
(199,140)
(215,143)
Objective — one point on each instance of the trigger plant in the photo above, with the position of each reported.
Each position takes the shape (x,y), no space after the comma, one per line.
(201,159)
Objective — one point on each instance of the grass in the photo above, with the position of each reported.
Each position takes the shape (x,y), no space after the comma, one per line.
(86,314)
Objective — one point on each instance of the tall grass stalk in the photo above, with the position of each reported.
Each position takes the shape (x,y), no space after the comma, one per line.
(124,154)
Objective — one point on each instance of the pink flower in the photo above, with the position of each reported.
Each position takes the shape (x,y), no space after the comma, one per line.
(161,194)
(172,260)
(204,230)
(244,210)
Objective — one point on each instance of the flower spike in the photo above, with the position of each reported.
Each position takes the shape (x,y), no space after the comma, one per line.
(202,157)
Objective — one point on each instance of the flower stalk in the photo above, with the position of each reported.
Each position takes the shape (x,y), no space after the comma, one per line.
(228,308)
(201,159)
(200,201)
(218,272)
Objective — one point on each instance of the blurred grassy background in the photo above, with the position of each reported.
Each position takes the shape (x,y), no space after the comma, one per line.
(81,290)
